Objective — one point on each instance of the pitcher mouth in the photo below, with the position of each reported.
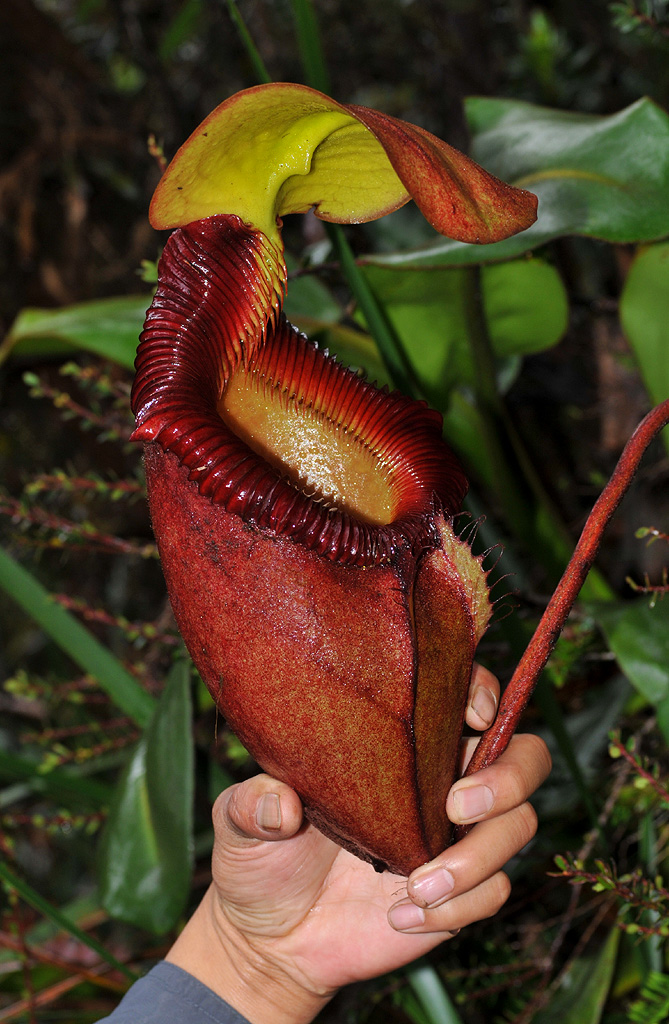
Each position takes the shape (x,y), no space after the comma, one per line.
(269,426)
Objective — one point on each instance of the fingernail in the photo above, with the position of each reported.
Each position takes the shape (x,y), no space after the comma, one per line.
(406,915)
(433,886)
(472,801)
(268,814)
(483,702)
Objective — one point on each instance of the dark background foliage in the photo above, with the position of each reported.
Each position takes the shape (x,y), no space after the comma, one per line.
(84,85)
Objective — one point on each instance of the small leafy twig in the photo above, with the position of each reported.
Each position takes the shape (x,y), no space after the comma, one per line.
(60,821)
(62,400)
(67,531)
(93,377)
(157,152)
(656,589)
(60,755)
(634,891)
(626,750)
(59,480)
(132,630)
(628,18)
(66,732)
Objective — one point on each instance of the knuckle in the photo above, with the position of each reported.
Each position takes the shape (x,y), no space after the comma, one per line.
(515,783)
(501,892)
(526,824)
(539,753)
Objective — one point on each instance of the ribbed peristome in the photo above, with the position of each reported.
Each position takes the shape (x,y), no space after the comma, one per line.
(218,308)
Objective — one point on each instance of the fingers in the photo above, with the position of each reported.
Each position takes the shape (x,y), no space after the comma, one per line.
(507,783)
(465,883)
(483,698)
(258,809)
(484,901)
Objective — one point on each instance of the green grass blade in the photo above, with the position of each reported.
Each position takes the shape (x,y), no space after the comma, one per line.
(432,995)
(252,52)
(73,638)
(309,45)
(27,893)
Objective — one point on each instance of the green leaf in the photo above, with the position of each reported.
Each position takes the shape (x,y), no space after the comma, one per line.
(75,640)
(584,987)
(644,314)
(526,311)
(146,850)
(106,327)
(603,177)
(308,297)
(653,1005)
(59,919)
(381,327)
(432,995)
(252,51)
(638,635)
(309,45)
(183,26)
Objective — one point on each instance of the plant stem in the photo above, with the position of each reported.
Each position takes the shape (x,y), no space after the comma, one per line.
(309,45)
(524,679)
(381,329)
(252,52)
(516,501)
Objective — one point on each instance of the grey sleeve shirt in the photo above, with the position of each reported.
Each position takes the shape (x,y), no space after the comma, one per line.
(169,995)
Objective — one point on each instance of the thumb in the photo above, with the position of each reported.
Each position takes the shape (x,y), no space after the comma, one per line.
(258,810)
(265,886)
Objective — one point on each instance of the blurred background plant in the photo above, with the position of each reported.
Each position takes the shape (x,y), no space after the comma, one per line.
(542,352)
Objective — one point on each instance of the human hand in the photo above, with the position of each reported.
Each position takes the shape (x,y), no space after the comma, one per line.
(291,917)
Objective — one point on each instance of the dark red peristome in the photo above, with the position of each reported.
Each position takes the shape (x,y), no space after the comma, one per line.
(216,307)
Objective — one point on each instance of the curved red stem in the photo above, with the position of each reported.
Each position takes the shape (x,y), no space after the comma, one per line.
(524,679)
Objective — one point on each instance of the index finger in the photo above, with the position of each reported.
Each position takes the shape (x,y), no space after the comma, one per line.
(506,784)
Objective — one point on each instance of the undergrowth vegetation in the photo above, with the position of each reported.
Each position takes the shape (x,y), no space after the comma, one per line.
(542,352)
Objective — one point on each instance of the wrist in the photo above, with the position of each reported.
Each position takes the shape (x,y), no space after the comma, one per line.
(242,971)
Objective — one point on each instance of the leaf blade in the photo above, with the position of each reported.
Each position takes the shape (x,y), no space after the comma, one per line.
(73,638)
(146,851)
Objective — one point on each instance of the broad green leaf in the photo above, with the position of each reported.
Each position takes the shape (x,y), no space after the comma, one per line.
(146,850)
(75,640)
(106,327)
(603,177)
(588,732)
(464,429)
(307,296)
(525,304)
(381,328)
(638,635)
(584,987)
(644,314)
